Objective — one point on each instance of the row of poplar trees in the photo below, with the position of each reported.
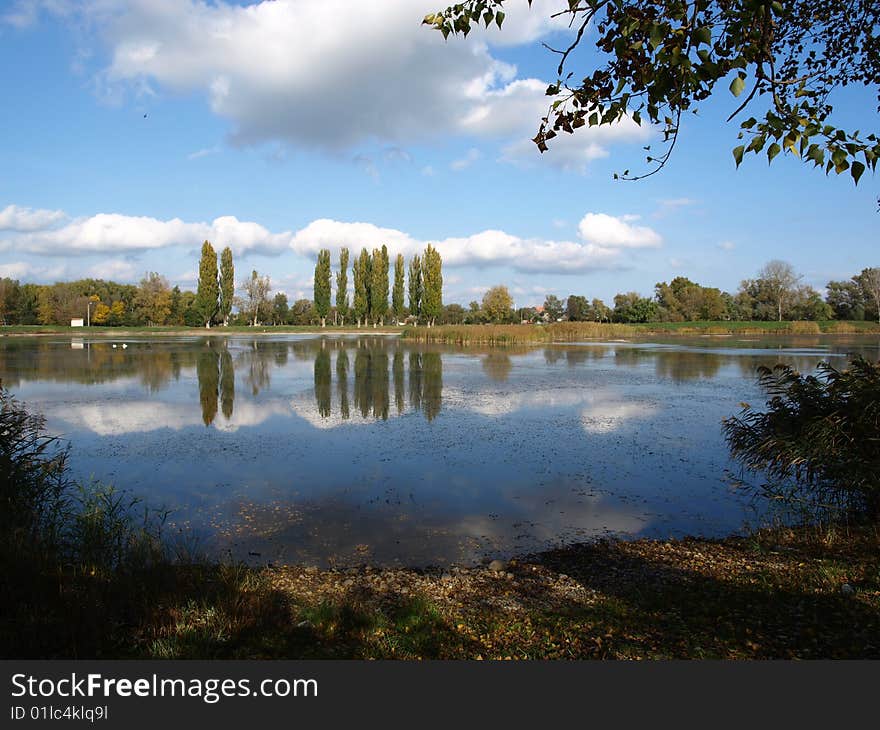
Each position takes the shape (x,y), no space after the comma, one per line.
(216,290)
(370,283)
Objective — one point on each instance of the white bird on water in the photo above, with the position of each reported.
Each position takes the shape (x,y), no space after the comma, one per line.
(114,345)
(124,345)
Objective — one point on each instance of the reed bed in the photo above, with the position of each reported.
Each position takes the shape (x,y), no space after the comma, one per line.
(530,334)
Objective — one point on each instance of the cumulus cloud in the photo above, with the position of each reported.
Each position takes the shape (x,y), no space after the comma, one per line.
(606,230)
(113,232)
(17,218)
(602,237)
(307,72)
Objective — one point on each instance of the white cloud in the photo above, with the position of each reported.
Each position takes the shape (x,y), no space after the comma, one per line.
(115,270)
(206,152)
(262,66)
(602,237)
(465,162)
(17,218)
(606,230)
(15,270)
(113,232)
(727,245)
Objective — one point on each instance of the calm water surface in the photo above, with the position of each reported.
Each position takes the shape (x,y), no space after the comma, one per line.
(344,450)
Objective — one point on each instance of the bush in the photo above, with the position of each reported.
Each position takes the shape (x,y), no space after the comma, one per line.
(819,439)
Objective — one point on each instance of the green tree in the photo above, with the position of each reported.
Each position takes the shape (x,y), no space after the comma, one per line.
(208,291)
(397,292)
(845,299)
(227,285)
(322,285)
(379,286)
(660,60)
(432,283)
(342,287)
(280,308)
(577,309)
(869,282)
(553,307)
(632,307)
(415,287)
(153,300)
(497,304)
(362,273)
(9,300)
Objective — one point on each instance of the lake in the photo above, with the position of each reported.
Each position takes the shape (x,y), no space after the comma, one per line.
(367,449)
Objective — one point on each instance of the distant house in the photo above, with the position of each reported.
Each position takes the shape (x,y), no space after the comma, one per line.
(77,323)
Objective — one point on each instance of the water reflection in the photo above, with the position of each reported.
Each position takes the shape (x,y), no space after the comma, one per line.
(421,453)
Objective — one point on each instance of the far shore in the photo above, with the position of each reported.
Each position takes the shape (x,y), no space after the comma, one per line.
(484,334)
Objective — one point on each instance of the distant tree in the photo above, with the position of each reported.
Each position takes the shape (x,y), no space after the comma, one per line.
(600,311)
(208,291)
(415,287)
(453,314)
(227,285)
(807,304)
(498,304)
(432,283)
(779,279)
(118,313)
(9,296)
(153,300)
(553,307)
(869,281)
(301,312)
(576,308)
(362,273)
(397,304)
(632,307)
(322,285)
(255,303)
(379,286)
(342,286)
(101,314)
(280,308)
(845,299)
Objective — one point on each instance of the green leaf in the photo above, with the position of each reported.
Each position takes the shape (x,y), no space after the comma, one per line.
(499,18)
(773,150)
(856,170)
(703,35)
(738,154)
(737,86)
(656,36)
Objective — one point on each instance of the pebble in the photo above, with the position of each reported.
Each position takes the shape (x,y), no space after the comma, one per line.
(497,566)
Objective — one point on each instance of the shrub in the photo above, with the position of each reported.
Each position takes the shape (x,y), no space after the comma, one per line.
(819,439)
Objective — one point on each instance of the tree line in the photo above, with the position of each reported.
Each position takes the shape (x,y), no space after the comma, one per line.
(416,295)
(775,293)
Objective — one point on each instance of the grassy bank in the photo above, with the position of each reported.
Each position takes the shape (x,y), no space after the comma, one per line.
(791,594)
(514,334)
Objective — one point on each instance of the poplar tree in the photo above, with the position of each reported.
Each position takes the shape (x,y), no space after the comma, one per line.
(397,292)
(322,285)
(361,271)
(208,292)
(432,277)
(415,287)
(379,286)
(227,285)
(342,286)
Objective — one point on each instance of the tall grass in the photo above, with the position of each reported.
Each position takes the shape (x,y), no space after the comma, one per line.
(516,334)
(525,334)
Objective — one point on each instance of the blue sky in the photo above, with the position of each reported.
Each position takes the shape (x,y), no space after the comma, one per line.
(281,127)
